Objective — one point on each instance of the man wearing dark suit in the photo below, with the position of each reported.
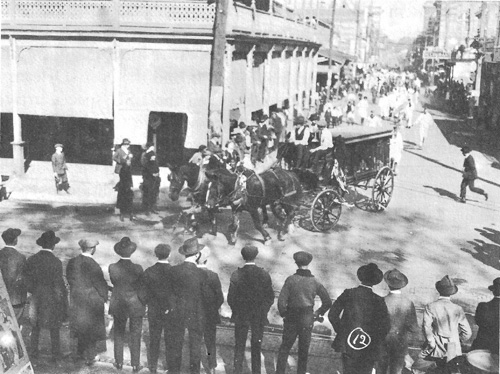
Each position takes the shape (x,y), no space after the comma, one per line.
(296,306)
(487,320)
(127,302)
(44,280)
(361,321)
(250,297)
(469,175)
(12,265)
(186,308)
(88,293)
(155,281)
(212,301)
(403,319)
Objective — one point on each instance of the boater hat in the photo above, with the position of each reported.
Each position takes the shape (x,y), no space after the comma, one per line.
(125,247)
(446,287)
(48,240)
(370,274)
(395,279)
(58,145)
(10,235)
(190,247)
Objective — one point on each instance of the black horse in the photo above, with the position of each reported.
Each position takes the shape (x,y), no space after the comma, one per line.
(279,188)
(190,173)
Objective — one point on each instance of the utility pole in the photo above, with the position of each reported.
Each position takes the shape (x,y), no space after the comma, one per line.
(332,31)
(358,11)
(217,68)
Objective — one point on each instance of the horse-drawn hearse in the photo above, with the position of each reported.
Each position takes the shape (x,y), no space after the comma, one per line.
(360,159)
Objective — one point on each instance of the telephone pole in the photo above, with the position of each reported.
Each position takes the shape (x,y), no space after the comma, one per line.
(332,32)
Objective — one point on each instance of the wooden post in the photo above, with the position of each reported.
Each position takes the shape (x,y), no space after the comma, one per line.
(217,68)
(292,82)
(330,52)
(249,84)
(17,144)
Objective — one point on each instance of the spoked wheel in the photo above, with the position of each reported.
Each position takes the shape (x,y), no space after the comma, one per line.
(325,210)
(382,188)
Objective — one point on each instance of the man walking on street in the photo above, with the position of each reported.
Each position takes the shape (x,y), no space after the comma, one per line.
(12,265)
(361,321)
(296,305)
(157,298)
(403,319)
(445,328)
(250,297)
(424,122)
(469,175)
(212,301)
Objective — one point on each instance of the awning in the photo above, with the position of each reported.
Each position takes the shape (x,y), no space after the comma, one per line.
(337,56)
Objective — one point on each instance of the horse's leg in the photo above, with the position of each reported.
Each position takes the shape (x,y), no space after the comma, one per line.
(280,214)
(290,214)
(234,226)
(213,220)
(265,217)
(254,213)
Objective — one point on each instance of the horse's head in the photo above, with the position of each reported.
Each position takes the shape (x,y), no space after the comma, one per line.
(221,185)
(176,179)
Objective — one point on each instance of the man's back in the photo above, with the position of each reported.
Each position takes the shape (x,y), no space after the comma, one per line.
(402,314)
(12,265)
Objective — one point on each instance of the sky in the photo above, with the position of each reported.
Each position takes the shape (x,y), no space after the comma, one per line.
(400,18)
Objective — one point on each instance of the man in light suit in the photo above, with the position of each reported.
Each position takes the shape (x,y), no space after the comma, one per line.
(469,175)
(445,328)
(157,297)
(403,319)
(12,265)
(487,320)
(186,308)
(250,297)
(212,301)
(361,321)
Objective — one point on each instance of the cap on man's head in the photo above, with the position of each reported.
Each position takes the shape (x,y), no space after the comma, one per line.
(162,251)
(302,258)
(10,235)
(249,252)
(58,145)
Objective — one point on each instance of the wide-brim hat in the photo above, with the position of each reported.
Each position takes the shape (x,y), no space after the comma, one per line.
(495,286)
(370,274)
(446,286)
(302,258)
(125,141)
(48,239)
(125,247)
(88,243)
(58,145)
(190,247)
(10,235)
(395,279)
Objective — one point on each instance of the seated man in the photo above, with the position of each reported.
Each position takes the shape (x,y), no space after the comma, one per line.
(320,152)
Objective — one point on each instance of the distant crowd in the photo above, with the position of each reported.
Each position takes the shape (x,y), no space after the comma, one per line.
(371,332)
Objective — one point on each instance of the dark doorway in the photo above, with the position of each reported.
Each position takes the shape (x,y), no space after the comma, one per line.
(6,135)
(168,131)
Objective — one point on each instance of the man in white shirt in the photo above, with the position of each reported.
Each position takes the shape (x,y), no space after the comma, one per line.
(325,146)
(300,137)
(423,122)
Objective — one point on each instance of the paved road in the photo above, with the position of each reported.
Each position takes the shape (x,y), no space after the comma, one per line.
(425,233)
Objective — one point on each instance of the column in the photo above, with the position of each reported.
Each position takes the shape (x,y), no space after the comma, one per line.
(116,83)
(267,81)
(17,144)
(292,82)
(308,79)
(226,106)
(315,78)
(249,85)
(281,81)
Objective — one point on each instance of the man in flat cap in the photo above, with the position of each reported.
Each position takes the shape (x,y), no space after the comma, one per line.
(212,301)
(487,318)
(469,175)
(445,328)
(12,265)
(88,293)
(186,308)
(361,321)
(60,169)
(43,275)
(296,306)
(155,280)
(127,302)
(250,297)
(403,322)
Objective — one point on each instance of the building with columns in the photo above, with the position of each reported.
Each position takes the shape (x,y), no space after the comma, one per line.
(90,73)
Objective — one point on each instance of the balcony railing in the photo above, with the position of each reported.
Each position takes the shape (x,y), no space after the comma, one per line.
(177,16)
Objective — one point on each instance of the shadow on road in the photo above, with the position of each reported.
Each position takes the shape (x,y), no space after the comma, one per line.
(487,253)
(443,192)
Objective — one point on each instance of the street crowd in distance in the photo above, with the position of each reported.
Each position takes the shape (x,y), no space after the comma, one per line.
(371,332)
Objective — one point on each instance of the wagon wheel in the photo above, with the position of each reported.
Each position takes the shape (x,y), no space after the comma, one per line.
(325,210)
(382,188)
